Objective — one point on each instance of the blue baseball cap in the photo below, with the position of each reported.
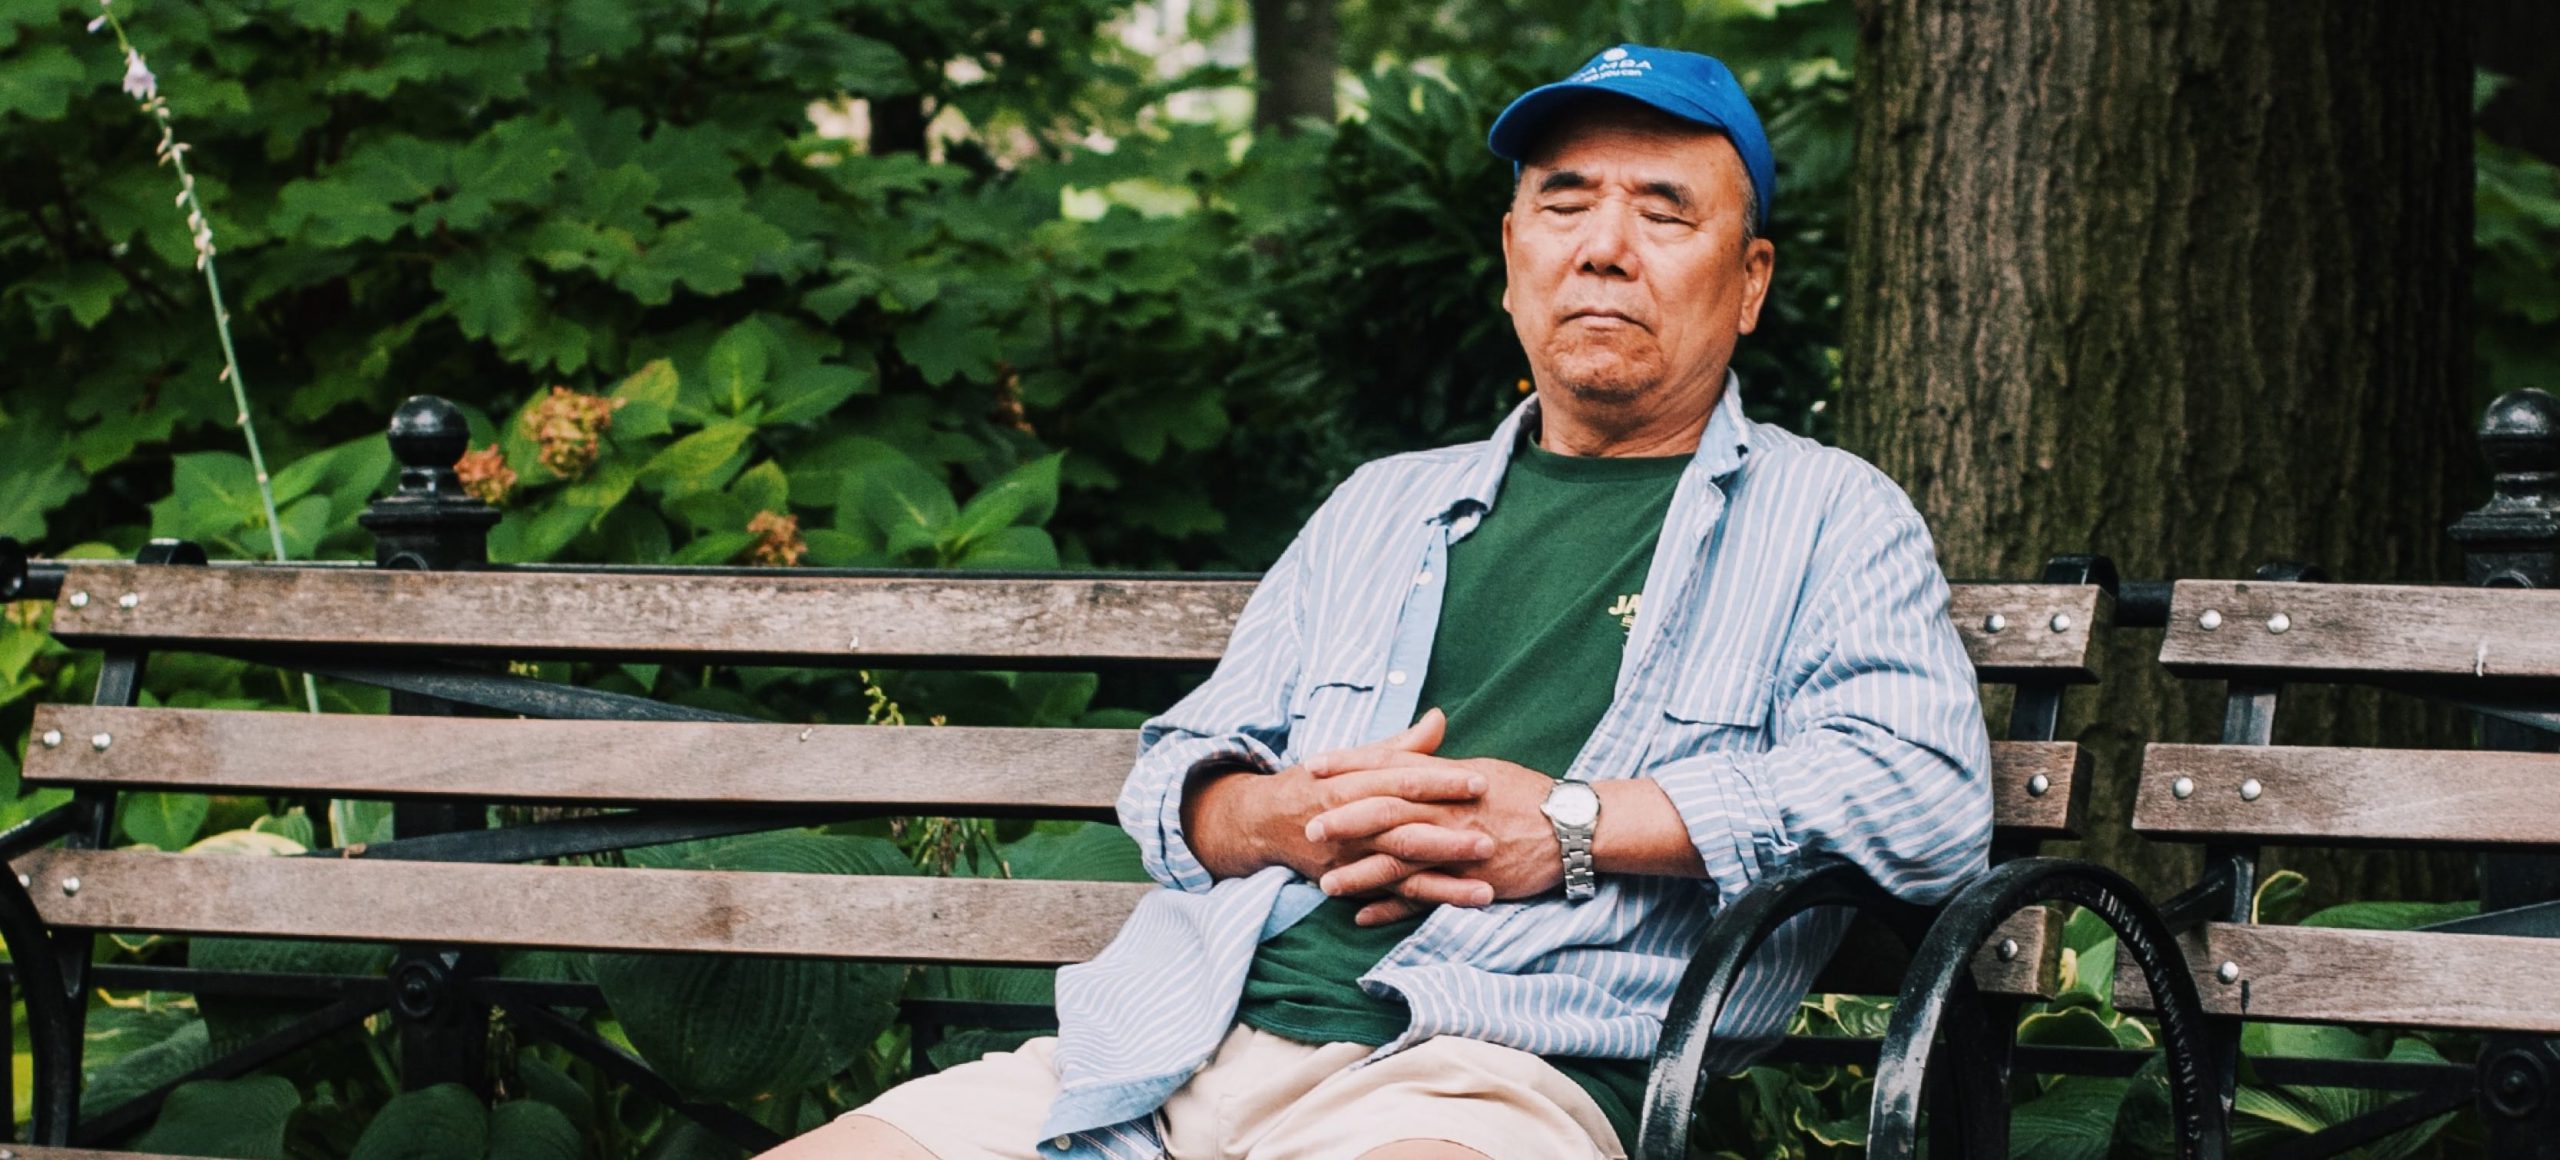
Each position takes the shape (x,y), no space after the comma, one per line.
(1694,88)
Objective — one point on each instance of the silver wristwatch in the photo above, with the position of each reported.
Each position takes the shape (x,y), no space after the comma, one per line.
(1574,808)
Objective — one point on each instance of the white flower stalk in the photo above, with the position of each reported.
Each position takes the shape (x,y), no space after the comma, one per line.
(144,88)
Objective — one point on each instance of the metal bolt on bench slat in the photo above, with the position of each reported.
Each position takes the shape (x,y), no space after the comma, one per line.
(2038,785)
(2228,972)
(2211,620)
(854,643)
(24,882)
(128,601)
(52,738)
(2183,788)
(2279,623)
(2250,789)
(2062,622)
(101,741)
(70,886)
(77,600)
(1994,622)
(2008,950)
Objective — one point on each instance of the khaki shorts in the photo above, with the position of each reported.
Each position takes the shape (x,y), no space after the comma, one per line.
(1264,1097)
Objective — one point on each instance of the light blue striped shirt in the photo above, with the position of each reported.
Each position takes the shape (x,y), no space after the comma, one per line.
(1792,682)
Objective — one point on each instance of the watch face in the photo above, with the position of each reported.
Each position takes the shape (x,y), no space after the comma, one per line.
(1573,803)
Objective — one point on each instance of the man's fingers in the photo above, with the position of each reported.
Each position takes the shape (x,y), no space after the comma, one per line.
(1421,737)
(1387,910)
(1424,779)
(1427,843)
(1366,875)
(1446,889)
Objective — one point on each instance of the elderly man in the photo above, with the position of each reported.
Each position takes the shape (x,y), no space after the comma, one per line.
(1506,724)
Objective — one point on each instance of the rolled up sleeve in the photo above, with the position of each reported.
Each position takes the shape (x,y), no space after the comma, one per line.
(1238,718)
(1878,755)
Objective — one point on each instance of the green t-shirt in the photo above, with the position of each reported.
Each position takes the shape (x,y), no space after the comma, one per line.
(1539,604)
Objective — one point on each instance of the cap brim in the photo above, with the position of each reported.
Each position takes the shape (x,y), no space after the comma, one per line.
(1519,128)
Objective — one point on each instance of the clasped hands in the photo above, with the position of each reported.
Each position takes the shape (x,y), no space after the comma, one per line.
(1389,822)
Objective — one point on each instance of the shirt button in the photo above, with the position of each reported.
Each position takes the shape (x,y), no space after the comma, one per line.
(1464,525)
(1062,1143)
(1396,677)
(1422,579)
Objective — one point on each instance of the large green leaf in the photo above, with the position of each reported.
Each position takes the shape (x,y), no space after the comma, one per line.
(736,1028)
(179,1050)
(33,480)
(234,1019)
(911,506)
(166,820)
(242,1118)
(735,370)
(2073,1120)
(2390,915)
(701,461)
(1089,852)
(1024,495)
(444,1122)
(532,1130)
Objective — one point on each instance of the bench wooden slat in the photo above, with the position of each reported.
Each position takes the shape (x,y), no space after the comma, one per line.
(2295,974)
(923,920)
(964,770)
(2031,640)
(2352,796)
(760,617)
(588,908)
(2371,629)
(954,769)
(2020,812)
(765,617)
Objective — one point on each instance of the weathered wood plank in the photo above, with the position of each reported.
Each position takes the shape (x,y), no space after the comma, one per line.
(955,769)
(783,618)
(924,920)
(2351,796)
(2294,974)
(2044,629)
(1056,772)
(768,617)
(2374,629)
(2022,812)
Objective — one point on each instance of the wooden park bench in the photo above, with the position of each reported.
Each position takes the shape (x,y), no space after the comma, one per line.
(432,623)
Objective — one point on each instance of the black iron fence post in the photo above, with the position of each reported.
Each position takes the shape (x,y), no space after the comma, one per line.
(431,524)
(2513,541)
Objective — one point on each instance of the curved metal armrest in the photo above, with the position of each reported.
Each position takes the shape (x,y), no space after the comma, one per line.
(1677,1079)
(1941,976)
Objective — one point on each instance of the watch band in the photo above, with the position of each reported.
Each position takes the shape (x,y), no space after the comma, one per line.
(1581,882)
(1573,808)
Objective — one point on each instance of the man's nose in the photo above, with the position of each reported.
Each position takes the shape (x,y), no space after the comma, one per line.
(1608,242)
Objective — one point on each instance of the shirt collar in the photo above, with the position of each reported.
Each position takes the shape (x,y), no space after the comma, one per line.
(1720,450)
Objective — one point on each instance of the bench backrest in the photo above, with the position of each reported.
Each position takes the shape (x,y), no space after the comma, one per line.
(404,628)
(2494,650)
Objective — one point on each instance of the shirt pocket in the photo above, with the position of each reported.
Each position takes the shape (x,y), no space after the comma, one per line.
(1334,701)
(1719,713)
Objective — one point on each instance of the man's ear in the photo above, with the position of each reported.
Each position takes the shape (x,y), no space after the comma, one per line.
(1506,261)
(1759,264)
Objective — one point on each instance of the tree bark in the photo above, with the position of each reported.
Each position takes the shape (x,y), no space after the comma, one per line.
(1293,62)
(2180,282)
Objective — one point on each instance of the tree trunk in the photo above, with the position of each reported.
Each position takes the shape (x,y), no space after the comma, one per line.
(1293,62)
(2179,282)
